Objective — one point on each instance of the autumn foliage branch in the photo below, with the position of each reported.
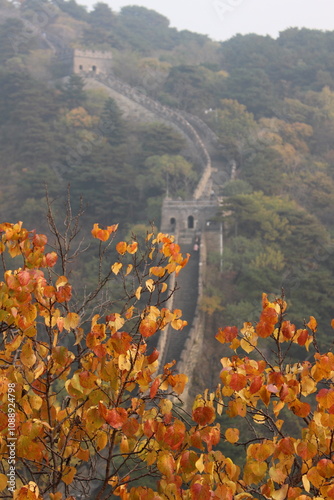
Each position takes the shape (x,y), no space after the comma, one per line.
(94,417)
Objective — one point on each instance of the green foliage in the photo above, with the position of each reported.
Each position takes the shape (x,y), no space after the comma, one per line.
(73,94)
(73,9)
(111,123)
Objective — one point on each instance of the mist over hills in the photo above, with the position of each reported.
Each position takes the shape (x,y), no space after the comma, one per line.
(270,102)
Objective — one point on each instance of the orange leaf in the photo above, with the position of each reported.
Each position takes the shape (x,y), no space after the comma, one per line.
(238,381)
(51,259)
(325,467)
(103,234)
(204,415)
(68,475)
(325,398)
(116,417)
(166,463)
(148,327)
(132,248)
(288,330)
(121,247)
(130,427)
(232,435)
(175,435)
(312,324)
(300,409)
(153,356)
(227,334)
(302,337)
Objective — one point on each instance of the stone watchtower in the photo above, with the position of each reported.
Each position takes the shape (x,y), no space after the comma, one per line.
(187,218)
(91,61)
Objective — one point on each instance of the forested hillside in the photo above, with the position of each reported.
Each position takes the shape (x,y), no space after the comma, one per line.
(270,102)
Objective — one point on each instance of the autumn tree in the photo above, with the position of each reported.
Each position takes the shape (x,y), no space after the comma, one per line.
(85,411)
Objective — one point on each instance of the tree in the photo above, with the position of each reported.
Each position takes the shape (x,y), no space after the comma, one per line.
(73,93)
(171,172)
(112,124)
(81,394)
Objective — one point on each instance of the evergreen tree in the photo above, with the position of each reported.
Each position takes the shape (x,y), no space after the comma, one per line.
(73,93)
(112,124)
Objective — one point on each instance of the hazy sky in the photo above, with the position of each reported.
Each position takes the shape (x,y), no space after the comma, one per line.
(221,19)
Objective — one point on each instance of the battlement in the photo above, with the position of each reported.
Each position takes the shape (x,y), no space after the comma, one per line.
(91,61)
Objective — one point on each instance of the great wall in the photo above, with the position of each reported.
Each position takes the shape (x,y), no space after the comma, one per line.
(191,221)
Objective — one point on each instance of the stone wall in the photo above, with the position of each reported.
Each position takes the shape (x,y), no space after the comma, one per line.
(172,116)
(91,61)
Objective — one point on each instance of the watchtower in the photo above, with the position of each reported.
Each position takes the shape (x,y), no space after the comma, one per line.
(91,61)
(187,217)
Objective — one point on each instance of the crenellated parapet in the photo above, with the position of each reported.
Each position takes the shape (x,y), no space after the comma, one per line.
(91,61)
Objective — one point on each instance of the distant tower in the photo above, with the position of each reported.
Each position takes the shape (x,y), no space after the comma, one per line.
(91,61)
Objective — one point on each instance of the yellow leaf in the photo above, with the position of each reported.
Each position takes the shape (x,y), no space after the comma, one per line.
(138,292)
(27,356)
(150,285)
(312,324)
(35,401)
(259,419)
(116,267)
(68,475)
(45,424)
(246,346)
(124,445)
(199,464)
(56,496)
(83,454)
(71,321)
(306,483)
(101,440)
(129,312)
(166,463)
(308,385)
(3,482)
(281,493)
(39,369)
(132,248)
(61,281)
(151,457)
(165,406)
(164,287)
(242,496)
(123,362)
(79,333)
(129,269)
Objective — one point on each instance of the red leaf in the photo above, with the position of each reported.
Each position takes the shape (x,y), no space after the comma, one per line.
(154,388)
(153,357)
(130,427)
(116,417)
(256,385)
(227,335)
(288,330)
(302,337)
(204,415)
(238,381)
